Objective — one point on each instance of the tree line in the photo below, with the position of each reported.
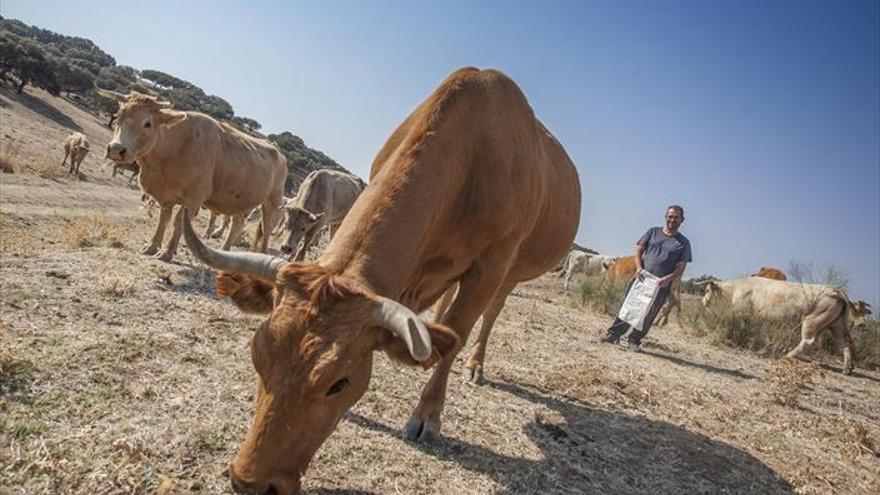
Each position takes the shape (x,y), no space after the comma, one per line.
(58,64)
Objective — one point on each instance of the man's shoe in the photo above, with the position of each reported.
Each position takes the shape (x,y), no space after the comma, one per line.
(609,339)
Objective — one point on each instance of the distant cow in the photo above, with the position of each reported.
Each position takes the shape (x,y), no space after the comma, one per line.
(76,146)
(323,199)
(584,263)
(133,167)
(190,159)
(620,270)
(822,307)
(771,273)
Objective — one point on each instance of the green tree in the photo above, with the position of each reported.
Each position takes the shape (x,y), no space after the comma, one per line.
(246,123)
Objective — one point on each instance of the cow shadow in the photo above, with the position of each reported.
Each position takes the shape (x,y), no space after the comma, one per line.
(703,366)
(41,107)
(590,450)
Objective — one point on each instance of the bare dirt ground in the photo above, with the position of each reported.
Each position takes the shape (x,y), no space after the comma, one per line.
(122,374)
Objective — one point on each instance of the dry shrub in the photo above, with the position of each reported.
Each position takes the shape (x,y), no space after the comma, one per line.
(10,156)
(94,231)
(634,390)
(119,288)
(856,439)
(599,296)
(867,343)
(787,380)
(742,328)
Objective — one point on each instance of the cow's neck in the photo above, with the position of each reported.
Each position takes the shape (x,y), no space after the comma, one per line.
(381,241)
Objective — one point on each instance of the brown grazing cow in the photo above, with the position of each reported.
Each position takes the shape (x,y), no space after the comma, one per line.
(76,146)
(472,190)
(771,273)
(190,159)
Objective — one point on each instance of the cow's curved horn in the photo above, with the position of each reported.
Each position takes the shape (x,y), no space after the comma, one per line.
(704,282)
(405,324)
(259,265)
(113,95)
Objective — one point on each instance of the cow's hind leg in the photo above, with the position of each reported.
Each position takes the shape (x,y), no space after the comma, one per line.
(844,343)
(212,223)
(474,364)
(224,224)
(476,289)
(156,242)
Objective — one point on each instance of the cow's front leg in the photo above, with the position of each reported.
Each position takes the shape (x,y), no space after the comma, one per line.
(171,248)
(156,242)
(477,288)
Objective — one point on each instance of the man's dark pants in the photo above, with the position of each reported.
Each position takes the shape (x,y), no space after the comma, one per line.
(620,327)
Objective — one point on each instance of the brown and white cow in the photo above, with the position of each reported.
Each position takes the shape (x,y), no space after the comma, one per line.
(771,273)
(323,199)
(822,307)
(190,159)
(472,190)
(76,146)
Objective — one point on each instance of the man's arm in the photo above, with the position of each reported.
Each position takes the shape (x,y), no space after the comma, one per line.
(640,253)
(669,279)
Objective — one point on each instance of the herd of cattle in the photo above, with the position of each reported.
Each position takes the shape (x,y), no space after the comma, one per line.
(469,196)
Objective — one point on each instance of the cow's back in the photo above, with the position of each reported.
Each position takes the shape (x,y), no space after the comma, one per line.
(469,173)
(236,172)
(330,192)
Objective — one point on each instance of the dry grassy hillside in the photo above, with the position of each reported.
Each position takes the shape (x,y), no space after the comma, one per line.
(122,374)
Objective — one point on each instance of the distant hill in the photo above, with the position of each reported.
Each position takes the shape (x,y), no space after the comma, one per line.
(73,65)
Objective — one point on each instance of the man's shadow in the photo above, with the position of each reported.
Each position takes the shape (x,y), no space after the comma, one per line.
(590,450)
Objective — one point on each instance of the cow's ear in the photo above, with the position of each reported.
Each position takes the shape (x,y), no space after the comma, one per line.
(250,294)
(443,342)
(170,118)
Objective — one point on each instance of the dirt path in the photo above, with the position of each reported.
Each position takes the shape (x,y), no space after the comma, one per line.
(122,374)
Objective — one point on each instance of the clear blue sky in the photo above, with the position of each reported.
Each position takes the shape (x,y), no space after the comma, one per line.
(762,118)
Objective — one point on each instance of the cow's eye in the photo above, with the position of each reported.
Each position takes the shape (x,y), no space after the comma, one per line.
(337,387)
(148,125)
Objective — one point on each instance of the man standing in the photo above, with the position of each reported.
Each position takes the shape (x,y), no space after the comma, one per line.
(663,252)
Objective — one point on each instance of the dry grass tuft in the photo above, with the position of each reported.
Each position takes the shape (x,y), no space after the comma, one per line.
(93,232)
(13,161)
(10,156)
(867,343)
(736,327)
(118,288)
(856,439)
(599,296)
(633,390)
(787,380)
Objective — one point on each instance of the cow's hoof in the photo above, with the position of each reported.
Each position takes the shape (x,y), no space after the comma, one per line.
(149,250)
(421,430)
(475,375)
(847,371)
(165,256)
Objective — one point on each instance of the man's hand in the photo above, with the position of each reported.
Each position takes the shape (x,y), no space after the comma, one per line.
(640,274)
(666,281)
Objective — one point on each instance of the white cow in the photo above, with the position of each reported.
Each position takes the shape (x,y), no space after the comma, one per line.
(323,199)
(585,263)
(822,307)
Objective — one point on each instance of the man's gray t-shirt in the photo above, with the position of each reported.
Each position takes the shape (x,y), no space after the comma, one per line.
(663,252)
